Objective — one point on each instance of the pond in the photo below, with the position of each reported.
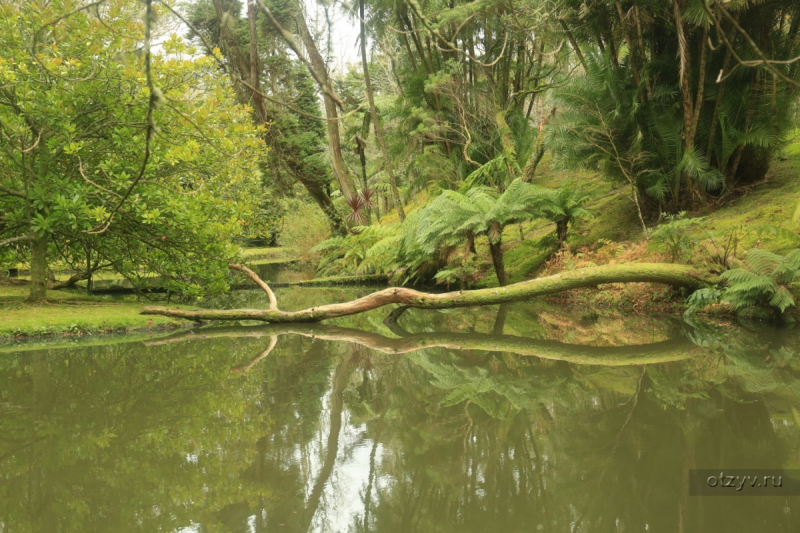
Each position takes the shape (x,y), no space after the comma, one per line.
(526,417)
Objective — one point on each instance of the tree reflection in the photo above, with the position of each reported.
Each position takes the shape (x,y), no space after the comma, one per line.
(325,428)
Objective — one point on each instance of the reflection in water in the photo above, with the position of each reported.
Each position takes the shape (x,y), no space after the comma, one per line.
(326,428)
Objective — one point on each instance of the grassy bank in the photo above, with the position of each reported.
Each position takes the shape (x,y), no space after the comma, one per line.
(70,313)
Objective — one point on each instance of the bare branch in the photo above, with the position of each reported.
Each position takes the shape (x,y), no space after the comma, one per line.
(90,182)
(74,11)
(12,240)
(768,63)
(273,302)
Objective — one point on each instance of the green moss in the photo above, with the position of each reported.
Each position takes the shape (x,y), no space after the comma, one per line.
(528,255)
(768,204)
(69,313)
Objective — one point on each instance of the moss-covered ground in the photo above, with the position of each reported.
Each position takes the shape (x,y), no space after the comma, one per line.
(71,313)
(615,221)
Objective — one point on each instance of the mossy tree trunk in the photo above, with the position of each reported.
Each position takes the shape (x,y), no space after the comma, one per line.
(685,276)
(496,248)
(562,227)
(38,288)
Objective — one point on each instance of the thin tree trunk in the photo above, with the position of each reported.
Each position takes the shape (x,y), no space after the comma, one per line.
(469,245)
(529,171)
(642,54)
(697,195)
(255,81)
(323,200)
(38,288)
(340,377)
(562,229)
(701,86)
(344,180)
(631,49)
(496,248)
(362,156)
(409,52)
(500,319)
(375,122)
(718,105)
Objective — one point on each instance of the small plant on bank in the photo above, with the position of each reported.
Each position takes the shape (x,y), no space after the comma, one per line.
(563,207)
(463,272)
(344,255)
(764,282)
(674,239)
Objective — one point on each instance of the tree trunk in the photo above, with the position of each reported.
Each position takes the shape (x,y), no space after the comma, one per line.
(38,289)
(229,43)
(70,283)
(529,171)
(500,319)
(345,181)
(361,147)
(315,188)
(375,122)
(670,274)
(496,248)
(696,194)
(562,228)
(233,50)
(255,81)
(469,245)
(340,381)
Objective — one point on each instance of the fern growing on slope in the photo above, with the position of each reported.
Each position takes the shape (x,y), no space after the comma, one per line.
(763,283)
(765,280)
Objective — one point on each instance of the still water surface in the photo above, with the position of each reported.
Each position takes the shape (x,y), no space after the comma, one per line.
(522,418)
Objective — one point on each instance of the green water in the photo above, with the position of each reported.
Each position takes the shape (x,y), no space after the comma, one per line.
(526,418)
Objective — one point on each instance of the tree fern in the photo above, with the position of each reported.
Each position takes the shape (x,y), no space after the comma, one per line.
(764,281)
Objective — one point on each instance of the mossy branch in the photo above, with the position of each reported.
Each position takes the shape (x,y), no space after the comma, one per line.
(670,274)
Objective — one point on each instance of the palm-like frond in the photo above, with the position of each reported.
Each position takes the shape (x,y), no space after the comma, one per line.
(764,281)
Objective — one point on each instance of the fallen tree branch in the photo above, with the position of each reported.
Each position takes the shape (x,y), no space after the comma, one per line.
(273,302)
(669,274)
(677,349)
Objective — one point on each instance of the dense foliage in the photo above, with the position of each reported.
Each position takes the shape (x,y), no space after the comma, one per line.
(107,164)
(138,152)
